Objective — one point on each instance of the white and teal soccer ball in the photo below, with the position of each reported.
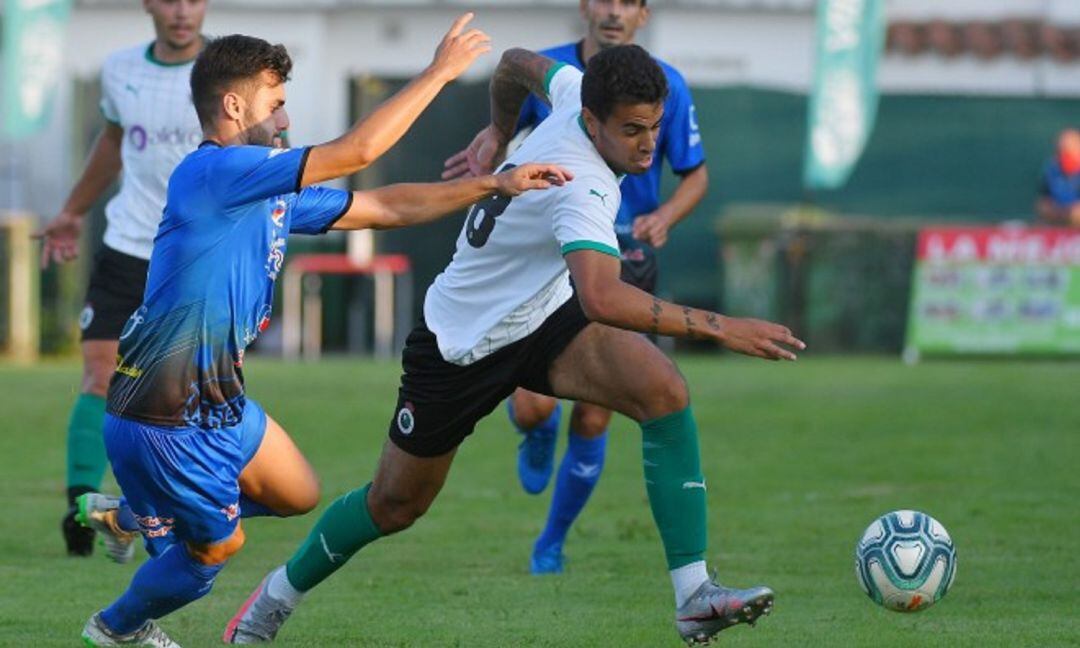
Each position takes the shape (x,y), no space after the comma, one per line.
(905,561)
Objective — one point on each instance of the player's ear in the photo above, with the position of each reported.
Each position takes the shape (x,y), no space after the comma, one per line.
(233,106)
(146,5)
(583,8)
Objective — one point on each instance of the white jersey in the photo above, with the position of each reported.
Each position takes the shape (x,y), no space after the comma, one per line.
(151,101)
(508,273)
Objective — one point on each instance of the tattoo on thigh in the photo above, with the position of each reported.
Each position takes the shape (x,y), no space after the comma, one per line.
(656,310)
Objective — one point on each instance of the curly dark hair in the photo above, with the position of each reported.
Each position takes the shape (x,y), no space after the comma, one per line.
(626,74)
(228,61)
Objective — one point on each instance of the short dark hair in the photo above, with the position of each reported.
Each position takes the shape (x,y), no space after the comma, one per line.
(229,60)
(626,74)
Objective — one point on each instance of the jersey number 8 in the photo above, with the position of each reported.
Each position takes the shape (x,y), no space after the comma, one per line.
(482,215)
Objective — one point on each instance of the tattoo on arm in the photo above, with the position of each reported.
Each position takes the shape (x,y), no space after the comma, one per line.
(691,332)
(656,309)
(519,72)
(713,321)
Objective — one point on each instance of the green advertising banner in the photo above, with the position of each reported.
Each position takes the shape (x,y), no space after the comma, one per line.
(843,103)
(990,290)
(33,62)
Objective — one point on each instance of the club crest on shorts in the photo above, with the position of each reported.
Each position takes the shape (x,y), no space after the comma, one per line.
(406,420)
(86,316)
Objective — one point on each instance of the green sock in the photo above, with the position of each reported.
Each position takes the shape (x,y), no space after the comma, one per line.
(344,528)
(86,460)
(676,486)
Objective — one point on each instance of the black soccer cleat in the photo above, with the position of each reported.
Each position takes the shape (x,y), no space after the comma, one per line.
(79,539)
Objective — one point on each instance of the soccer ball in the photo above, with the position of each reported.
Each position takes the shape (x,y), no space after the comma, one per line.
(905,561)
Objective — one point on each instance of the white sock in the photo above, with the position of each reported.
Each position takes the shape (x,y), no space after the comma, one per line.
(687,579)
(280,589)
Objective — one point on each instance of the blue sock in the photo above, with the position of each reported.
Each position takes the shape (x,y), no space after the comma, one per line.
(160,586)
(578,474)
(125,517)
(251,508)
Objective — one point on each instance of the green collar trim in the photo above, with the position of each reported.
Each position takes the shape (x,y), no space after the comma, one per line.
(153,59)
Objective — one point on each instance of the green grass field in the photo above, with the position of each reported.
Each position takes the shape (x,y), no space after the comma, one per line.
(800,458)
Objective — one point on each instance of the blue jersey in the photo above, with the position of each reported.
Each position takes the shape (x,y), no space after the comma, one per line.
(218,250)
(1063,188)
(679,142)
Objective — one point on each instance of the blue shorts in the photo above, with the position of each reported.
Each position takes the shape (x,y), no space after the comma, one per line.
(182,483)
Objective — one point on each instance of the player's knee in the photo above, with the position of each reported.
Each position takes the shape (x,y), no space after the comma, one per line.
(393,514)
(531,410)
(219,552)
(670,395)
(306,499)
(589,422)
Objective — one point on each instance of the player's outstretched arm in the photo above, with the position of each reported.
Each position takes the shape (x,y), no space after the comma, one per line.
(518,73)
(376,133)
(608,300)
(60,237)
(402,205)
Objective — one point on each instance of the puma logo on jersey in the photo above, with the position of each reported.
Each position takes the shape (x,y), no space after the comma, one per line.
(132,89)
(602,197)
(693,484)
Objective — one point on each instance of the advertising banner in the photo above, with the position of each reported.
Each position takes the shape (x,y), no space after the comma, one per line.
(991,290)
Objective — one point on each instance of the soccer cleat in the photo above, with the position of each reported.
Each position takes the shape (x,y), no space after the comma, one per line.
(259,618)
(95,633)
(536,453)
(98,513)
(546,561)
(78,539)
(714,607)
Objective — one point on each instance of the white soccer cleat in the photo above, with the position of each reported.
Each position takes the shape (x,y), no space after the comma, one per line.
(95,633)
(713,608)
(98,512)
(259,618)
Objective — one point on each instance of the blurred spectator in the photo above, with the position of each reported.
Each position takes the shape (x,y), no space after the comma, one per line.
(1059,191)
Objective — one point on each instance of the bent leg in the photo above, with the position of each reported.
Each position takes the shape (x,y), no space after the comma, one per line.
(579,472)
(403,489)
(278,477)
(184,572)
(623,371)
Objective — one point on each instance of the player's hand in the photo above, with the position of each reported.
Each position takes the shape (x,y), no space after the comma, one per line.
(479,158)
(516,181)
(60,238)
(459,49)
(758,338)
(1074,216)
(652,228)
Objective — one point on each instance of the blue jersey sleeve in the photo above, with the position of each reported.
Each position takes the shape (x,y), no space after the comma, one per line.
(317,209)
(245,174)
(682,143)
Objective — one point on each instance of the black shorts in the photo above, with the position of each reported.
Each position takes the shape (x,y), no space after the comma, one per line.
(117,282)
(439,403)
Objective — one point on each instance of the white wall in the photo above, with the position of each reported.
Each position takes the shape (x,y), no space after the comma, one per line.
(760,42)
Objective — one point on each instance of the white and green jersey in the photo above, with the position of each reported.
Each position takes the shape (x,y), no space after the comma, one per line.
(508,274)
(151,101)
